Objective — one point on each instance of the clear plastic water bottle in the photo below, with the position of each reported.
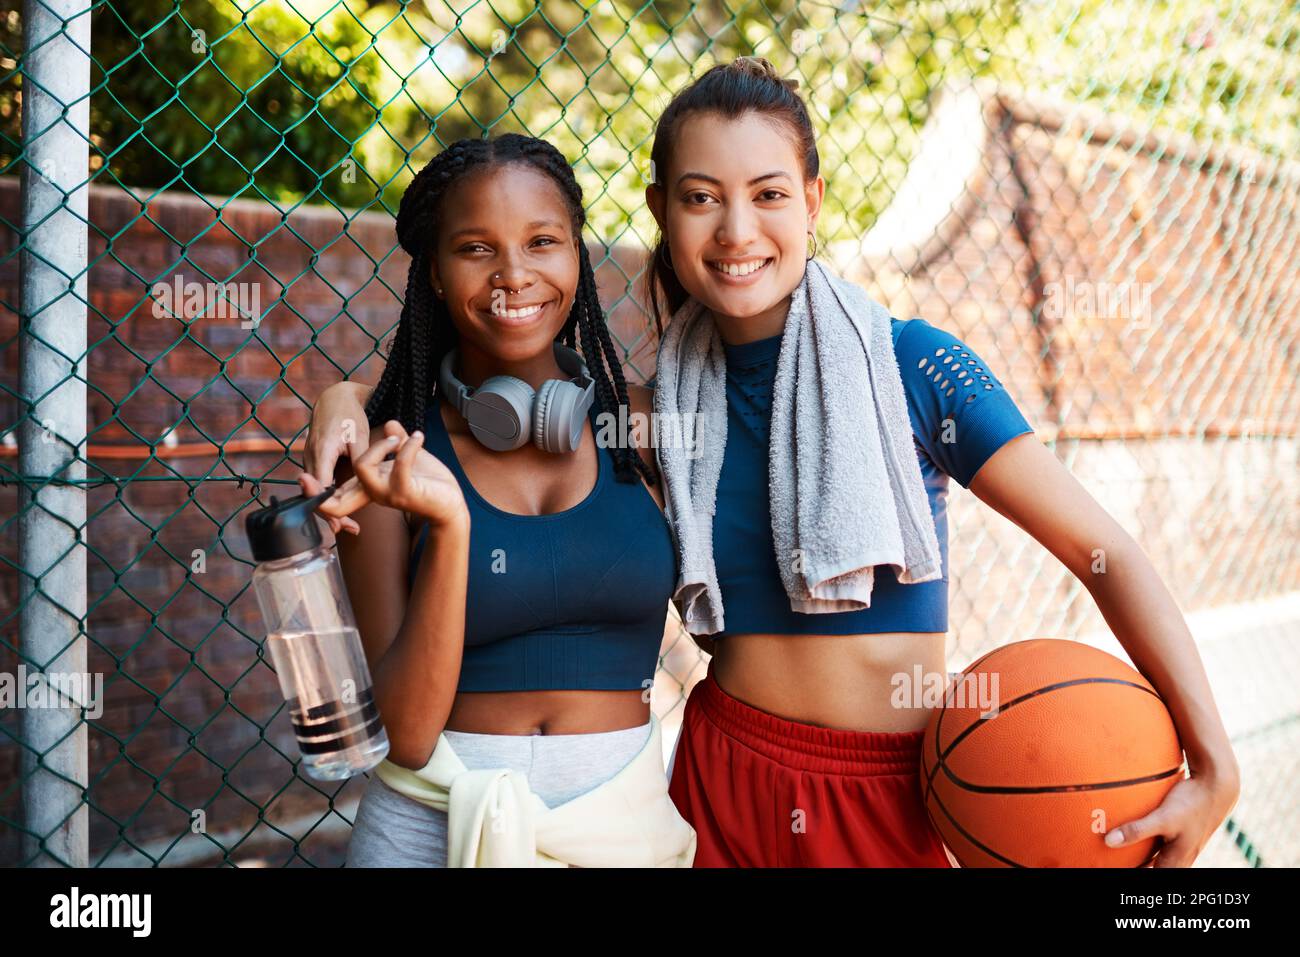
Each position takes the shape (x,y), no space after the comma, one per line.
(314,642)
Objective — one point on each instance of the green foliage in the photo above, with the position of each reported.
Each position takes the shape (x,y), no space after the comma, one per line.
(196,95)
(340,100)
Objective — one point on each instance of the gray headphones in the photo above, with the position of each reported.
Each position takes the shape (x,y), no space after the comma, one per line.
(498,410)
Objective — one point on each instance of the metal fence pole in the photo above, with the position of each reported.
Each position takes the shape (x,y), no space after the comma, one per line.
(55,129)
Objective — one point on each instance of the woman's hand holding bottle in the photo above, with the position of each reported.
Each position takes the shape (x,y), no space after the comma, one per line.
(339,429)
(398,472)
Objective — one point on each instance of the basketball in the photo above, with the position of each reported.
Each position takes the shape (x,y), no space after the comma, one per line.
(1038,749)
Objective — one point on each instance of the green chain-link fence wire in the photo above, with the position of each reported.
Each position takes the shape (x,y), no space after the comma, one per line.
(281,125)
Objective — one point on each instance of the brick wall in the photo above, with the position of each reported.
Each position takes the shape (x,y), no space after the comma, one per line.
(1182,423)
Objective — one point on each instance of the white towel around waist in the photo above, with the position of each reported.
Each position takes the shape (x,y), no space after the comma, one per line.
(495,820)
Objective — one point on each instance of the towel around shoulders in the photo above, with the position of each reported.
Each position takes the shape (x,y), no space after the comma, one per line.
(844,481)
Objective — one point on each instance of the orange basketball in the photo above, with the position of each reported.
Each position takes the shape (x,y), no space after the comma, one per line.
(1041,747)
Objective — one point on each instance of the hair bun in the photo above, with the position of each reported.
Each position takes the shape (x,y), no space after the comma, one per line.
(761,67)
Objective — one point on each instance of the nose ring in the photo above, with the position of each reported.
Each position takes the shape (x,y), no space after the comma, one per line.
(497,277)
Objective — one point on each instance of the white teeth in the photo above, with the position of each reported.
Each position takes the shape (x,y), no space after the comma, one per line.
(740,269)
(522,313)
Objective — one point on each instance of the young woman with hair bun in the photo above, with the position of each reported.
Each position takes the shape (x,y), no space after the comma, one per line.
(792,751)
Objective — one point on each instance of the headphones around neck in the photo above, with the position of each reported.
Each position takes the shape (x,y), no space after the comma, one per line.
(499,408)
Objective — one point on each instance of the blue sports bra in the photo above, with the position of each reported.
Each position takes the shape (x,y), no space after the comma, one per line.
(943,381)
(576,599)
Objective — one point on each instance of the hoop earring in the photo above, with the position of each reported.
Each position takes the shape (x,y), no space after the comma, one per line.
(667,257)
(812,244)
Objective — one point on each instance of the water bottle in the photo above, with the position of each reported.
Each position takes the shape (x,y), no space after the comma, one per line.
(314,642)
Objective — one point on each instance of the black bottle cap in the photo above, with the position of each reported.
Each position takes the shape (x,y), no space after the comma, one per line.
(285,528)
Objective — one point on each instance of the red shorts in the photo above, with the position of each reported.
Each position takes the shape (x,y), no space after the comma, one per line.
(763,791)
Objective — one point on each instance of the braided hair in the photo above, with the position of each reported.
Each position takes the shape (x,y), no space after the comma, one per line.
(425,332)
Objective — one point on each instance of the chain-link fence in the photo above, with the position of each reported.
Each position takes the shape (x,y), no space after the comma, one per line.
(197,225)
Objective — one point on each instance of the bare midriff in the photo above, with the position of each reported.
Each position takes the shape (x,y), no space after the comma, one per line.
(547,712)
(834,681)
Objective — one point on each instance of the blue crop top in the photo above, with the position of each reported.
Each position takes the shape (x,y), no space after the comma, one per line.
(984,417)
(576,599)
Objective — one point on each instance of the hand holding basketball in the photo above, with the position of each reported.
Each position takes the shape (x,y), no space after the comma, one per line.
(1073,745)
(1186,819)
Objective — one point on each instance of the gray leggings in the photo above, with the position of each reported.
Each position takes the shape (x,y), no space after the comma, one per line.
(393,830)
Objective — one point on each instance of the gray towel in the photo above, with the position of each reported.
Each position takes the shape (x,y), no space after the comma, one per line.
(844,481)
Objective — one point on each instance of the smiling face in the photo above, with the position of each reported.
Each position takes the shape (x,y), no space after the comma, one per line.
(507,261)
(736,213)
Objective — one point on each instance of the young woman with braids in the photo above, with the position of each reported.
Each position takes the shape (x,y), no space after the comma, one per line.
(524,640)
